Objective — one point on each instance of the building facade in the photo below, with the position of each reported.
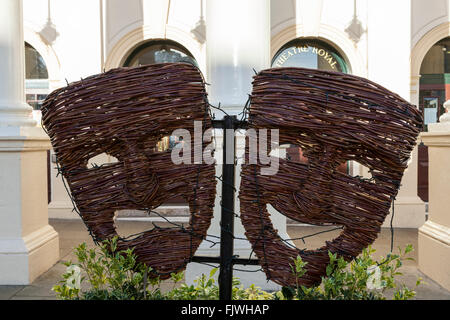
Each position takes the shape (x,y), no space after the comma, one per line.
(401,45)
(398,44)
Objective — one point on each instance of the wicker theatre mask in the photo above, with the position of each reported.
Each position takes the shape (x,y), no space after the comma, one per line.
(124,113)
(333,117)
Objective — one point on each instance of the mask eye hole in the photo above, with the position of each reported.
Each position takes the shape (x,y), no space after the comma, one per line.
(281,152)
(100,160)
(359,170)
(293,153)
(167,143)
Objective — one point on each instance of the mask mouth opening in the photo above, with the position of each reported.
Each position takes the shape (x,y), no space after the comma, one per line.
(130,223)
(306,236)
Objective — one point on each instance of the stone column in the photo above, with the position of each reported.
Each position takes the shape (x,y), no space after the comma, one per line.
(434,235)
(28,244)
(237,44)
(409,208)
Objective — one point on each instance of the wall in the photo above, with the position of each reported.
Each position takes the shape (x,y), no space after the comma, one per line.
(129,23)
(427,15)
(77,24)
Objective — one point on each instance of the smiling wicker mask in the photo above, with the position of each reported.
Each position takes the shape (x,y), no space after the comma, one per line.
(124,113)
(333,117)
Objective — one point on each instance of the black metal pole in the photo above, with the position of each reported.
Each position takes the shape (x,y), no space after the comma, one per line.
(227,216)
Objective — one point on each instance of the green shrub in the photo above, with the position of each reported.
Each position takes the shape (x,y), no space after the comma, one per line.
(205,288)
(361,279)
(109,274)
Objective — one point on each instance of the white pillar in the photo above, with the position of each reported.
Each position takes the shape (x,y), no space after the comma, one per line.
(409,209)
(28,244)
(434,235)
(237,43)
(13,109)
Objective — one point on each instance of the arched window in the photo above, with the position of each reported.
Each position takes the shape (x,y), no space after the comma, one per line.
(159,51)
(435,81)
(310,53)
(36,78)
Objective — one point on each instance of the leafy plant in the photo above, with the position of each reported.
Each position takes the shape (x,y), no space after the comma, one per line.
(361,279)
(204,288)
(111,274)
(251,293)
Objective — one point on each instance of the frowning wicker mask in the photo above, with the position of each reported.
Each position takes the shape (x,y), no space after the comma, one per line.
(334,118)
(124,113)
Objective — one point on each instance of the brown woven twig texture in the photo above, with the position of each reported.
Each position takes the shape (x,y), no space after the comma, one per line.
(124,113)
(333,117)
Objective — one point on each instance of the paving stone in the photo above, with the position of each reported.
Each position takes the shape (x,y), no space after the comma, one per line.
(33,298)
(6,292)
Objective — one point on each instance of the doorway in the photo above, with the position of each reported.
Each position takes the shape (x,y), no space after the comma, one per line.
(434,90)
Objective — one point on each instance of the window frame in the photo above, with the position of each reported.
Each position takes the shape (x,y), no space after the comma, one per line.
(155,42)
(338,55)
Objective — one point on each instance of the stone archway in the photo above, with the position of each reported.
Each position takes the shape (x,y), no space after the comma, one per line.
(134,38)
(340,41)
(55,78)
(418,53)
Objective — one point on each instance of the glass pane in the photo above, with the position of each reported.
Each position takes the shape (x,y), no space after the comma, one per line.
(311,54)
(35,67)
(437,59)
(159,52)
(430,105)
(434,81)
(35,100)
